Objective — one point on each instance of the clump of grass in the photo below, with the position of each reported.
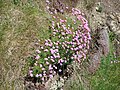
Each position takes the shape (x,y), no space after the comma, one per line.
(89,3)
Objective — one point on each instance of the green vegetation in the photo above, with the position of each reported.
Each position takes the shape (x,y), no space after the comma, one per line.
(89,3)
(108,75)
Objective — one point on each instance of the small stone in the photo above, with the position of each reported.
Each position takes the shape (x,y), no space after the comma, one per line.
(112,16)
(118,18)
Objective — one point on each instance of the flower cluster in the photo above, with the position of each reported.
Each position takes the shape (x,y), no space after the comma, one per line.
(69,42)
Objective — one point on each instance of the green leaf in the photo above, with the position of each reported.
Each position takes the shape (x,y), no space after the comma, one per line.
(36,70)
(31,61)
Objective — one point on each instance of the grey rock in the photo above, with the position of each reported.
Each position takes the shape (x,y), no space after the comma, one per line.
(104,41)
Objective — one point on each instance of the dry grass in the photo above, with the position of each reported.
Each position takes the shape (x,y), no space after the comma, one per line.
(21,24)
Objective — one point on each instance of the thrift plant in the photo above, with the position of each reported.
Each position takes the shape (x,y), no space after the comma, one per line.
(69,42)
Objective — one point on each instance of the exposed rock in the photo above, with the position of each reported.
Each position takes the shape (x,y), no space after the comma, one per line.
(102,49)
(94,62)
(60,6)
(55,83)
(30,86)
(113,22)
(103,41)
(34,86)
(118,17)
(117,47)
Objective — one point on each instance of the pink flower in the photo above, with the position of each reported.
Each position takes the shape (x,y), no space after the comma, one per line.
(30,71)
(62,21)
(52,60)
(54,66)
(56,55)
(54,33)
(42,48)
(54,72)
(31,75)
(40,75)
(44,74)
(47,1)
(52,51)
(56,50)
(48,43)
(88,47)
(47,63)
(66,7)
(76,11)
(61,60)
(51,71)
(57,47)
(54,16)
(43,79)
(84,45)
(75,56)
(44,71)
(50,67)
(51,76)
(37,57)
(37,75)
(46,50)
(89,37)
(80,17)
(86,27)
(61,64)
(38,51)
(43,68)
(62,33)
(80,56)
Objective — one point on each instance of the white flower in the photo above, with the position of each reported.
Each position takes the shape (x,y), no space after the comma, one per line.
(31,75)
(41,47)
(37,75)
(60,70)
(46,59)
(41,65)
